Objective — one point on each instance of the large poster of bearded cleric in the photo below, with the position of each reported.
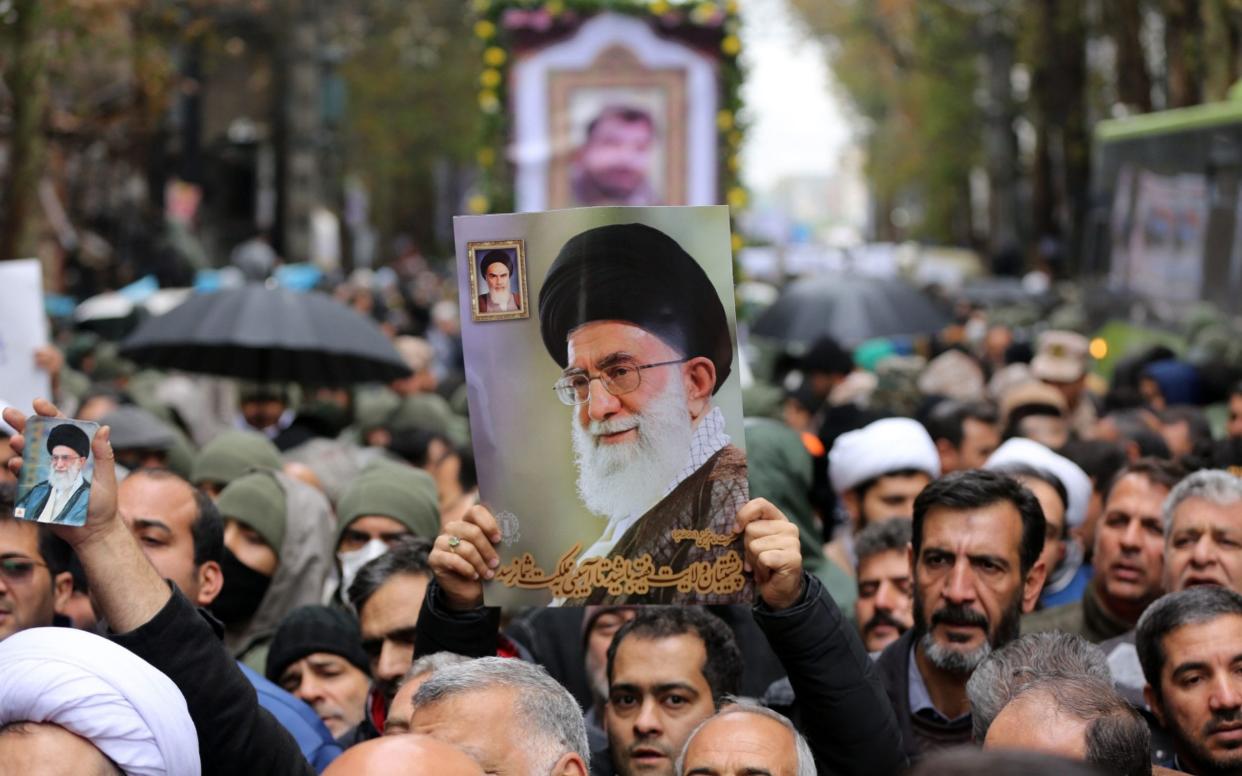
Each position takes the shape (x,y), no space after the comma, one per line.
(607,426)
(614,114)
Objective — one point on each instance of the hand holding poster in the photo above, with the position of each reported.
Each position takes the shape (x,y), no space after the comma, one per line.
(607,424)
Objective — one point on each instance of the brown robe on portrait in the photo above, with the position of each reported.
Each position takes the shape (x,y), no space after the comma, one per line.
(708,499)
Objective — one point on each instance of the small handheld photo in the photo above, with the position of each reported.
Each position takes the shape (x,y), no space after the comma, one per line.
(57,465)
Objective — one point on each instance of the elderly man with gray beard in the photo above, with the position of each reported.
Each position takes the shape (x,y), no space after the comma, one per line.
(644,344)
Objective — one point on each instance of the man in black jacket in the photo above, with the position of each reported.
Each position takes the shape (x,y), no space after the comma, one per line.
(152,619)
(847,720)
(975,546)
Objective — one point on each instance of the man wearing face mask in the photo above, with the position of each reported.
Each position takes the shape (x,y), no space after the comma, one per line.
(387,503)
(277,553)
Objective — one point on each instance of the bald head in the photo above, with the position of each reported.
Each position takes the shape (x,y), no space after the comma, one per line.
(1033,722)
(405,755)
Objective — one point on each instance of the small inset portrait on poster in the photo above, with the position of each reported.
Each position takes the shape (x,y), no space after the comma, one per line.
(57,465)
(498,282)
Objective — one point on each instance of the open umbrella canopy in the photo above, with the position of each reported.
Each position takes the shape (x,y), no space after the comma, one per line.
(267,334)
(849,308)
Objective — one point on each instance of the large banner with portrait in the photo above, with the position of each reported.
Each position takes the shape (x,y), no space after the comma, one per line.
(1158,242)
(615,114)
(605,407)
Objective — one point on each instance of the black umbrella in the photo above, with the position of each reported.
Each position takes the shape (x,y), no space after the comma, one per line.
(268,334)
(849,308)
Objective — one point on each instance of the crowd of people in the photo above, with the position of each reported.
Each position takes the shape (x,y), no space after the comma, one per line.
(978,558)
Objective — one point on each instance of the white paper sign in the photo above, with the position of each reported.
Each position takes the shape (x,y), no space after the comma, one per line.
(23,330)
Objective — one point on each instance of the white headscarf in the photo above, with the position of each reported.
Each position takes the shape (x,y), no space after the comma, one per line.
(101,692)
(887,445)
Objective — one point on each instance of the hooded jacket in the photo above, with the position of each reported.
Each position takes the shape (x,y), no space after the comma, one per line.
(305,560)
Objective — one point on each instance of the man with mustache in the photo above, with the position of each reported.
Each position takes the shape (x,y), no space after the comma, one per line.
(1190,647)
(884,604)
(1203,546)
(613,164)
(62,497)
(644,344)
(1128,559)
(974,552)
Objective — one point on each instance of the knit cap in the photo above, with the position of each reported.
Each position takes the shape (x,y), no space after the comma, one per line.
(256,500)
(388,489)
(232,454)
(310,629)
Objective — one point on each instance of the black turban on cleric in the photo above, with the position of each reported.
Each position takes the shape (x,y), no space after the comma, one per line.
(639,275)
(70,436)
(495,257)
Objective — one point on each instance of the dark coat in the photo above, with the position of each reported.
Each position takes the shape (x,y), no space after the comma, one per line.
(236,736)
(893,664)
(838,699)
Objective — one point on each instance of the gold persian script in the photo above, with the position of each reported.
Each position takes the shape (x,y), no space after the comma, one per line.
(623,576)
(704,539)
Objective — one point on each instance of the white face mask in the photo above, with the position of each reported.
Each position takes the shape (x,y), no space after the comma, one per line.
(353,561)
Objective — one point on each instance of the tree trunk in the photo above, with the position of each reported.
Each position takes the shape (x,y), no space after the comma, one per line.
(1124,19)
(1183,28)
(1219,51)
(1000,144)
(28,87)
(1062,142)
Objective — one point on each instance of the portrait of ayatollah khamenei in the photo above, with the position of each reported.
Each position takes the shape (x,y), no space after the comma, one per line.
(57,464)
(607,426)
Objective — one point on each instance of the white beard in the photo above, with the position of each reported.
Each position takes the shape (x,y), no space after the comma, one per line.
(63,481)
(620,480)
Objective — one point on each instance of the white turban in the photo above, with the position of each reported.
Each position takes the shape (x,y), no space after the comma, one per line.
(882,447)
(101,692)
(1020,450)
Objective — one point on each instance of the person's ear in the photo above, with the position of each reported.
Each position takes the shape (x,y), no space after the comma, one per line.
(62,591)
(1153,703)
(570,764)
(853,505)
(948,455)
(1033,586)
(699,374)
(210,580)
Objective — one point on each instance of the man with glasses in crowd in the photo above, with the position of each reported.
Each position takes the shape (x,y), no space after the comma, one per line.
(643,341)
(35,581)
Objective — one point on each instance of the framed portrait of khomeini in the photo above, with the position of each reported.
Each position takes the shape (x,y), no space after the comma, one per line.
(498,280)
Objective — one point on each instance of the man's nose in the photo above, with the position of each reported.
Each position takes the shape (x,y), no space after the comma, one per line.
(960,586)
(309,690)
(1203,553)
(887,598)
(601,404)
(1226,693)
(394,660)
(1131,538)
(648,723)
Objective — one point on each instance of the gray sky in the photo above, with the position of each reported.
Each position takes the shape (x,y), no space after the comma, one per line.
(797,121)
